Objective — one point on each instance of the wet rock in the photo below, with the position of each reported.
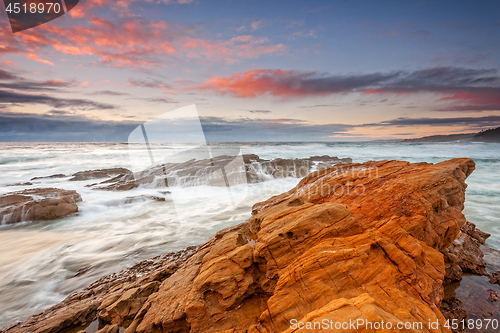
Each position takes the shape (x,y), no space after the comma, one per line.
(79,310)
(20,184)
(59,175)
(97,174)
(474,292)
(37,204)
(464,255)
(452,310)
(140,198)
(493,295)
(221,170)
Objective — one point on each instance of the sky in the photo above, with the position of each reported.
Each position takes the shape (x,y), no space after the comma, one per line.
(256,70)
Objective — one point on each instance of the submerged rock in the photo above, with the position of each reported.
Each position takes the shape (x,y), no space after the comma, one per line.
(359,243)
(37,204)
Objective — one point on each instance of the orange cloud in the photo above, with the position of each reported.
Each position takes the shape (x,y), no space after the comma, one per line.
(43,61)
(240,47)
(133,43)
(256,82)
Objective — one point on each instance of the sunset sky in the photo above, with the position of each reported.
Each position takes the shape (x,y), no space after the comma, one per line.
(256,70)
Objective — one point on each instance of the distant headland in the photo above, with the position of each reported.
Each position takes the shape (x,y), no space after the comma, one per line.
(491,135)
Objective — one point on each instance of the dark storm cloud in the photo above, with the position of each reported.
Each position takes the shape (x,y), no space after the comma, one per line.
(246,129)
(22,98)
(59,127)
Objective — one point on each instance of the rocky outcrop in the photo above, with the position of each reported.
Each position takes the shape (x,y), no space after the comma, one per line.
(99,174)
(464,255)
(356,243)
(37,204)
(248,168)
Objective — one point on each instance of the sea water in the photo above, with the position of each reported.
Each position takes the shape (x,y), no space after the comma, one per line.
(43,262)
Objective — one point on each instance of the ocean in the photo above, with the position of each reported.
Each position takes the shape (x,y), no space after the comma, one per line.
(41,263)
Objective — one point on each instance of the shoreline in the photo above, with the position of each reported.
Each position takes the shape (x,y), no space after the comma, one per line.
(145,289)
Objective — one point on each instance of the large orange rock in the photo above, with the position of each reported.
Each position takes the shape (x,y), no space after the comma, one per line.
(354,244)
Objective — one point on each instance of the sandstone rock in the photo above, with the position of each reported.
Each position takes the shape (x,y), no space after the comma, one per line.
(37,204)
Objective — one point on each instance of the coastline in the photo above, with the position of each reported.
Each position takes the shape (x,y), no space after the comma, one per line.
(142,294)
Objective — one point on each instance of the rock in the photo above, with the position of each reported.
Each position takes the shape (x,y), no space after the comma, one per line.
(59,175)
(360,242)
(493,295)
(20,184)
(464,255)
(495,278)
(140,198)
(452,310)
(101,173)
(37,204)
(107,295)
(195,172)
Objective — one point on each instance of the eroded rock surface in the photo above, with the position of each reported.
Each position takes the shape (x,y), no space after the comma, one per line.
(37,204)
(361,241)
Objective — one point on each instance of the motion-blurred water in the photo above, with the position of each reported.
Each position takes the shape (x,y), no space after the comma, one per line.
(39,261)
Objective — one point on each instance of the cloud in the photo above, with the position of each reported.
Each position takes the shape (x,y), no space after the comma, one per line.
(19,83)
(37,59)
(9,97)
(36,85)
(11,82)
(4,75)
(158,100)
(108,92)
(59,127)
(247,129)
(150,83)
(130,41)
(466,89)
(484,122)
(258,111)
(257,24)
(290,83)
(239,47)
